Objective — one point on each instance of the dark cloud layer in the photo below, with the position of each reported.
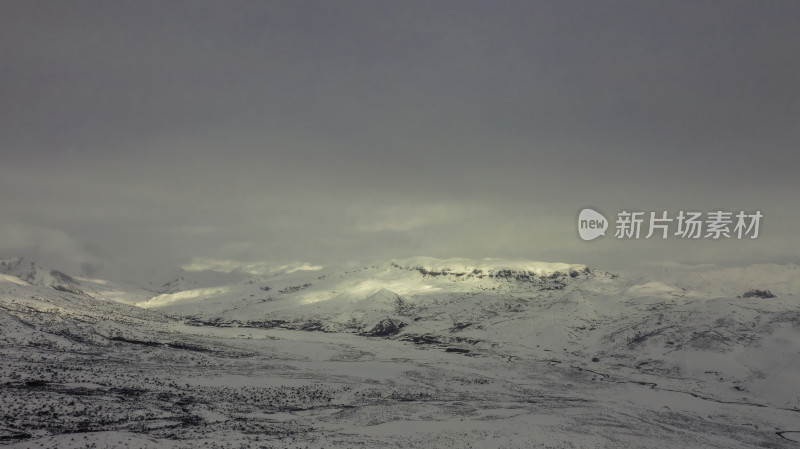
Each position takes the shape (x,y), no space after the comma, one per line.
(143,135)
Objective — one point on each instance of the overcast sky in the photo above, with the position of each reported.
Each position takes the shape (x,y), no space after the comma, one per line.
(143,135)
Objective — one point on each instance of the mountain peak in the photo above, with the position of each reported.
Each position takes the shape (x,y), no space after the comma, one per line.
(462,266)
(32,272)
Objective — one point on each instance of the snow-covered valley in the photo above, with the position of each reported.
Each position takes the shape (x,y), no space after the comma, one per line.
(407,353)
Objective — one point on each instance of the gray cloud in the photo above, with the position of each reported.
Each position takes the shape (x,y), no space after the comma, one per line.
(151,134)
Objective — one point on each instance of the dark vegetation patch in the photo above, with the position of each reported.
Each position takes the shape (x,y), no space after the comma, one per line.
(422,339)
(460,326)
(66,288)
(152,343)
(640,337)
(215,322)
(294,288)
(188,346)
(135,342)
(15,436)
(427,339)
(385,328)
(266,324)
(457,350)
(758,294)
(312,326)
(128,391)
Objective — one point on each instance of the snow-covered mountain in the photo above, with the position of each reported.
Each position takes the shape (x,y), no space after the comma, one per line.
(192,280)
(679,321)
(265,295)
(426,352)
(34,273)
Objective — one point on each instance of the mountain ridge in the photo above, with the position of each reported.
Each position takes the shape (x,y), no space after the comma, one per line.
(363,348)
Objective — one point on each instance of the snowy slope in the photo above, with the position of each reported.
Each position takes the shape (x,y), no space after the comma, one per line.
(31,272)
(34,273)
(404,277)
(191,280)
(408,353)
(677,322)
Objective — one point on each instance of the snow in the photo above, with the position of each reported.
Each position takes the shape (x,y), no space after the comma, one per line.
(488,353)
(12,279)
(460,265)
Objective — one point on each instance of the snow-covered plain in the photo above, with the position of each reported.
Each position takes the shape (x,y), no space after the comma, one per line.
(408,353)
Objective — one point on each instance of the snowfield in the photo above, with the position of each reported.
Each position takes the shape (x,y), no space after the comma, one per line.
(408,353)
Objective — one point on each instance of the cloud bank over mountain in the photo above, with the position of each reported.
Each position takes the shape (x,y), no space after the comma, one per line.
(142,136)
